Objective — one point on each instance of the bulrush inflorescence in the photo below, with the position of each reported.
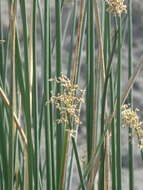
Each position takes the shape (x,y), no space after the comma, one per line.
(116,7)
(68,101)
(131,119)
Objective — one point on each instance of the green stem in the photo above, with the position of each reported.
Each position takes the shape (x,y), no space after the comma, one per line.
(59,127)
(90,77)
(130,98)
(49,180)
(64,161)
(78,163)
(118,111)
(74,17)
(35,97)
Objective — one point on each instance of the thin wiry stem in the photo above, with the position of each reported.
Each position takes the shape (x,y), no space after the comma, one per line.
(130,98)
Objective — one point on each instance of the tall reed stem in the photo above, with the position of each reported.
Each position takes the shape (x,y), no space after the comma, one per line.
(49,180)
(118,112)
(130,98)
(59,127)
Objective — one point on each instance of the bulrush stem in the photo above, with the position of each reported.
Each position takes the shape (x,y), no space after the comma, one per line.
(118,142)
(64,161)
(130,98)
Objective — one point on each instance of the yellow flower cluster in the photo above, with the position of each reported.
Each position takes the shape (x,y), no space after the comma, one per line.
(68,101)
(131,119)
(116,6)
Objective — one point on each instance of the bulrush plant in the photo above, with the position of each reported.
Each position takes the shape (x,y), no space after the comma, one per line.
(40,115)
(67,103)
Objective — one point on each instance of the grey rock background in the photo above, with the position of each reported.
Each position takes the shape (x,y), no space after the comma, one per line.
(138,87)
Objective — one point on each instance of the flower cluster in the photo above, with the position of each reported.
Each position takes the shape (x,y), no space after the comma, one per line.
(116,6)
(131,119)
(68,101)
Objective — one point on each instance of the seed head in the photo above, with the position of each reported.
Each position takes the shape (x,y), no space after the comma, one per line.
(116,7)
(131,119)
(68,101)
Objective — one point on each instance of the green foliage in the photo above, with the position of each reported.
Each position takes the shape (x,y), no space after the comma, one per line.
(39,130)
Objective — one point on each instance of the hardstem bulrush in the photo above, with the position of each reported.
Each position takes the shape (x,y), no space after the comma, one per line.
(67,103)
(41,145)
(131,119)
